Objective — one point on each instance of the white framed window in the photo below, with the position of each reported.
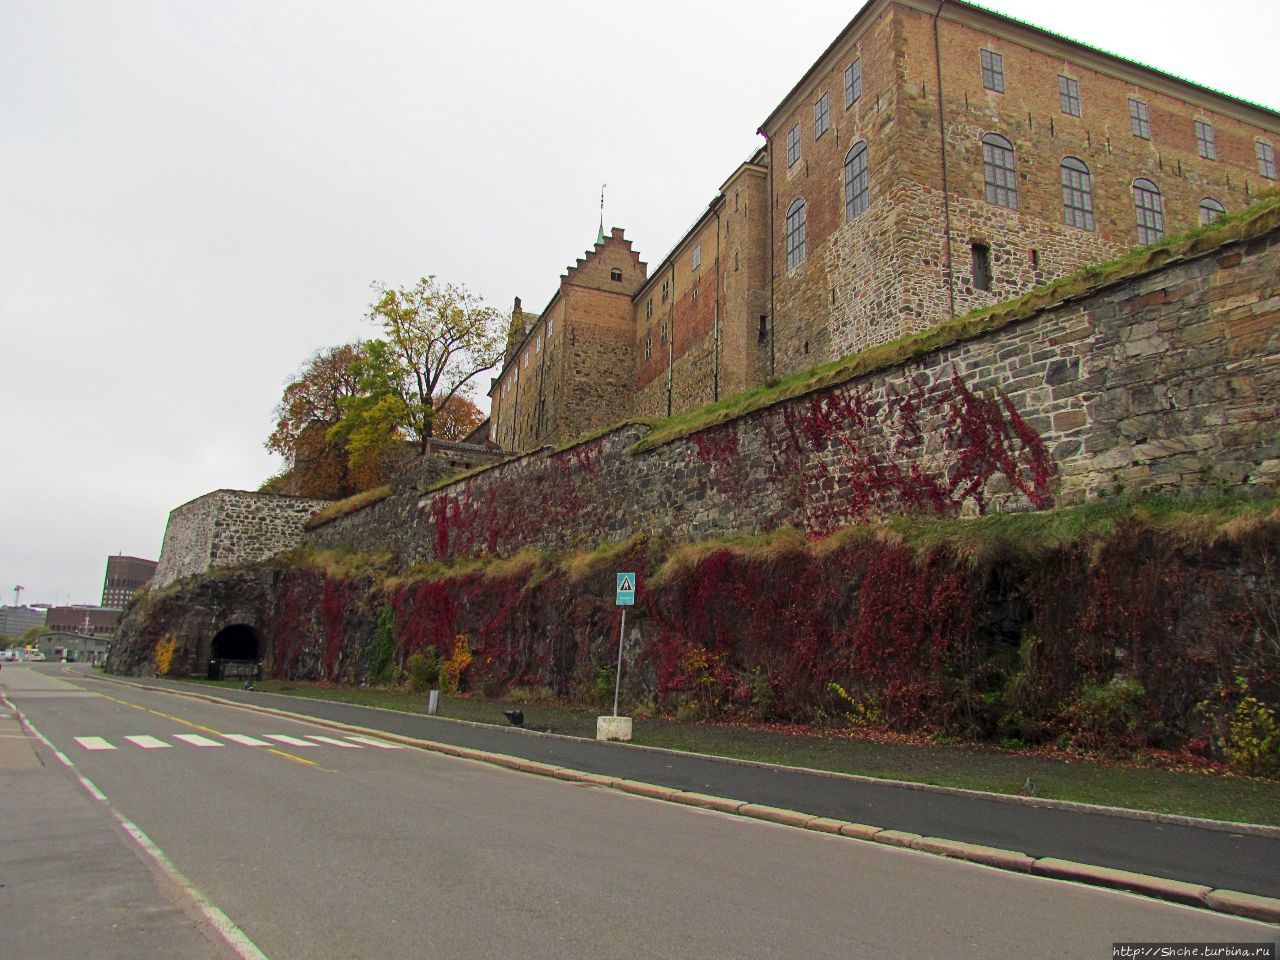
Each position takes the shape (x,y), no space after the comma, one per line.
(550,326)
(697,256)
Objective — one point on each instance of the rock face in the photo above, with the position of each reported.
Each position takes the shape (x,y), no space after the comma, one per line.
(1138,632)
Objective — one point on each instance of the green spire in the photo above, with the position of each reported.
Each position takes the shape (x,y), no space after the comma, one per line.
(600,235)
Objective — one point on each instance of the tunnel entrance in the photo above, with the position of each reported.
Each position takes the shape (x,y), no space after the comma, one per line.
(234,653)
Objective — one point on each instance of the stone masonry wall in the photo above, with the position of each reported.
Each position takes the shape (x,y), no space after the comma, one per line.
(228,527)
(1168,380)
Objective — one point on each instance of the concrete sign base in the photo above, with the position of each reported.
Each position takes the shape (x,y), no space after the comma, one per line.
(613,728)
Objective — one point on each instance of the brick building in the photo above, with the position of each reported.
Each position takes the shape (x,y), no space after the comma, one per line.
(125,577)
(936,158)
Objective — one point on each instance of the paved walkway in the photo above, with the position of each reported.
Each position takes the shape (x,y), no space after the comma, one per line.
(1214,857)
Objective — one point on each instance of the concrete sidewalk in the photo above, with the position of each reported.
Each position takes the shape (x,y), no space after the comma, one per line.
(1217,857)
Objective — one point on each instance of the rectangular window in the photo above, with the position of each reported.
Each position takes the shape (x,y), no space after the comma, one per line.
(993,71)
(1205,143)
(1069,96)
(666,290)
(1139,119)
(821,116)
(551,321)
(648,309)
(648,346)
(981,266)
(1266,159)
(537,344)
(853,83)
(697,256)
(793,145)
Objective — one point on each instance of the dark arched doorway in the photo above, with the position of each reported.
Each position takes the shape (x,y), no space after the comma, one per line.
(234,652)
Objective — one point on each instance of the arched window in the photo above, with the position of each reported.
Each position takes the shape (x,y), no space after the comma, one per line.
(1077,193)
(1146,202)
(1211,210)
(795,234)
(997,163)
(856,181)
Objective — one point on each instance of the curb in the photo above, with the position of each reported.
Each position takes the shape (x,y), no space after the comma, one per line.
(1234,902)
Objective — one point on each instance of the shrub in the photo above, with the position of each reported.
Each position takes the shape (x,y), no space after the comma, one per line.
(381,653)
(424,670)
(1106,715)
(164,654)
(452,669)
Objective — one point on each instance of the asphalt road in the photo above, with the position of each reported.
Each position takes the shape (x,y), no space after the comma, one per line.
(316,849)
(1213,857)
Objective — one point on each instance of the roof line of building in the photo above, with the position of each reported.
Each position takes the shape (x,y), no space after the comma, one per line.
(878,6)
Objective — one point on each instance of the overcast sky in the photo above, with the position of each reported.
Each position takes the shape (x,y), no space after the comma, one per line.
(197,195)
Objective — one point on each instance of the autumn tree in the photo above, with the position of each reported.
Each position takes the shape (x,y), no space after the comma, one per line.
(457,418)
(436,339)
(317,464)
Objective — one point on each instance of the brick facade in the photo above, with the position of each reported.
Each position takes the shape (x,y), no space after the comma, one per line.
(1163,380)
(903,91)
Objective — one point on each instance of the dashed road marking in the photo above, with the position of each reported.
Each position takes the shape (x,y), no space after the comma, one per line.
(335,742)
(196,740)
(94,743)
(149,743)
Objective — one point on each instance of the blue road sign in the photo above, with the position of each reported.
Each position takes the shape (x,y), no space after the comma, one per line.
(626,590)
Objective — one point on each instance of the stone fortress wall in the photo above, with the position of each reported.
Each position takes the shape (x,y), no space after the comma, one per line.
(1167,378)
(229,527)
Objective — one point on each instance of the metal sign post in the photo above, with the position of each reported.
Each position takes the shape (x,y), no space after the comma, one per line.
(626,597)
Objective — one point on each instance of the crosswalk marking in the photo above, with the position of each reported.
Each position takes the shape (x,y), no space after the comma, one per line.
(334,742)
(94,743)
(149,743)
(196,740)
(245,740)
(370,742)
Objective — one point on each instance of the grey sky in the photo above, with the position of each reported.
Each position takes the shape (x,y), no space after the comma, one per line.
(198,194)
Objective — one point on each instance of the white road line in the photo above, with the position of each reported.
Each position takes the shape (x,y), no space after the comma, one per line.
(234,937)
(149,743)
(94,743)
(244,740)
(291,741)
(334,742)
(370,742)
(196,740)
